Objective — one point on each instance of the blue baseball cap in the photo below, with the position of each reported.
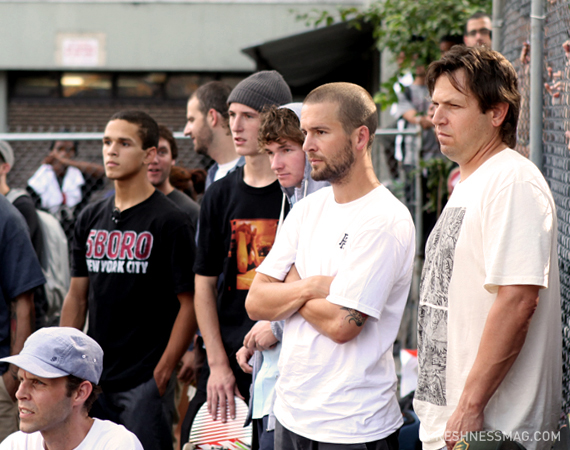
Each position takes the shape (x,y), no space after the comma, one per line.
(55,352)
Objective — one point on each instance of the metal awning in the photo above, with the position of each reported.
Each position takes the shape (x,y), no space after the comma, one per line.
(339,52)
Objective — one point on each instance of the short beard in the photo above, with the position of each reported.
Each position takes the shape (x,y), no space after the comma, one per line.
(204,141)
(336,170)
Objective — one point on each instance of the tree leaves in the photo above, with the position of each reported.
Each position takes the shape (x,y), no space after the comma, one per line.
(410,27)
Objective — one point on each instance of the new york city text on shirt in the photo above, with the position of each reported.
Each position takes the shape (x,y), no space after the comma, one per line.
(118,251)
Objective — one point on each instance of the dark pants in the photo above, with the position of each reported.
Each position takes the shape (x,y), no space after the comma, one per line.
(287,440)
(243,381)
(265,439)
(142,411)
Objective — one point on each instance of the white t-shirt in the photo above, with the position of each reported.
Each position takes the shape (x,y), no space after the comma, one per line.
(344,393)
(223,169)
(499,228)
(103,435)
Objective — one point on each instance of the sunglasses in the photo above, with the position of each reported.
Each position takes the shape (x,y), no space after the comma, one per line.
(481,31)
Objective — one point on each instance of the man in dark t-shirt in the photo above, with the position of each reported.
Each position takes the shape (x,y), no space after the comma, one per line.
(238,221)
(159,174)
(132,270)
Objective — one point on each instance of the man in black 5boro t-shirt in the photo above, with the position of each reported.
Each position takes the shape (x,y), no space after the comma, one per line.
(132,271)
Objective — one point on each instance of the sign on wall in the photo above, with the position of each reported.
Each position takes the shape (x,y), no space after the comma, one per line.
(80,50)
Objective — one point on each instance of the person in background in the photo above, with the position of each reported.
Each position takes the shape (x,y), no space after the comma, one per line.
(62,185)
(207,125)
(478,30)
(159,175)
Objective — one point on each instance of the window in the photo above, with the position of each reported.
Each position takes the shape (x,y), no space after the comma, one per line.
(86,85)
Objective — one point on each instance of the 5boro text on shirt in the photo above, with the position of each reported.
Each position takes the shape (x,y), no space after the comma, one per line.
(118,251)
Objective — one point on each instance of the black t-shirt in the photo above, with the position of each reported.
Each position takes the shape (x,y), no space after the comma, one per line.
(136,261)
(186,204)
(237,229)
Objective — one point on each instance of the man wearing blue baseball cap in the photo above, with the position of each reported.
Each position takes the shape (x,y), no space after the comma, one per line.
(59,368)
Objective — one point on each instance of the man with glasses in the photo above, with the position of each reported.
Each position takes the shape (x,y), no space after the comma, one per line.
(478,30)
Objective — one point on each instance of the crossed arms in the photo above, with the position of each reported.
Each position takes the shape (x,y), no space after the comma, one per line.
(273,299)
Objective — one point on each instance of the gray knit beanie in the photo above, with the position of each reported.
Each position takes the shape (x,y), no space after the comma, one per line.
(261,89)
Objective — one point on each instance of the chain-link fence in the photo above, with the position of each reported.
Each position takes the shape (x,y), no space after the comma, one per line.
(35,125)
(556,127)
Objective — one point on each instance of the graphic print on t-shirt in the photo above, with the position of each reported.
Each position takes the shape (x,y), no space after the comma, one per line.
(251,241)
(433,309)
(118,251)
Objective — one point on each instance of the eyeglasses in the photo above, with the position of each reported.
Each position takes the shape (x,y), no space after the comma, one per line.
(481,31)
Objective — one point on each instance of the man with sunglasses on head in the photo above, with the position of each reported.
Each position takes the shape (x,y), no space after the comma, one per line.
(478,30)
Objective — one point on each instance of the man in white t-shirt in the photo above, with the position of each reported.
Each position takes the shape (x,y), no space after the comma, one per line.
(59,369)
(489,327)
(352,246)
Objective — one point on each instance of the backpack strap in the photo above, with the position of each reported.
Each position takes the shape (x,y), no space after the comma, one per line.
(15,194)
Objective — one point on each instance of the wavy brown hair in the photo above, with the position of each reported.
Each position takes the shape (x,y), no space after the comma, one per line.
(489,76)
(278,124)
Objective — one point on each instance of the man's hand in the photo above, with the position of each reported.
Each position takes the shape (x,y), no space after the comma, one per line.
(320,285)
(10,382)
(260,337)
(460,423)
(221,390)
(186,372)
(425,122)
(243,355)
(502,340)
(161,378)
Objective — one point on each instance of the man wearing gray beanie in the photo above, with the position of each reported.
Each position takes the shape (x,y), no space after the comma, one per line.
(238,221)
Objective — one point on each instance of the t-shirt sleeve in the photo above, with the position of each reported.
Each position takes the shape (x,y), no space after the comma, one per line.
(284,251)
(518,227)
(210,241)
(78,261)
(375,263)
(21,270)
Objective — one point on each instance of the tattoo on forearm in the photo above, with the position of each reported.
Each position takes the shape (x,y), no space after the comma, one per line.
(355,316)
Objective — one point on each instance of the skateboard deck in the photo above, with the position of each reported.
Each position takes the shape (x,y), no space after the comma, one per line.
(208,434)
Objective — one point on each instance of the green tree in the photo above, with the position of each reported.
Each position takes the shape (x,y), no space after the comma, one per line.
(409,27)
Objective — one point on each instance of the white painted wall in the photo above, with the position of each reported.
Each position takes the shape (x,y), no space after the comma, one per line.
(147,35)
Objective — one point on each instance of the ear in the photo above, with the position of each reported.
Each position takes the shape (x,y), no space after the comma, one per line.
(82,393)
(498,113)
(212,117)
(5,168)
(360,137)
(150,155)
(173,162)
